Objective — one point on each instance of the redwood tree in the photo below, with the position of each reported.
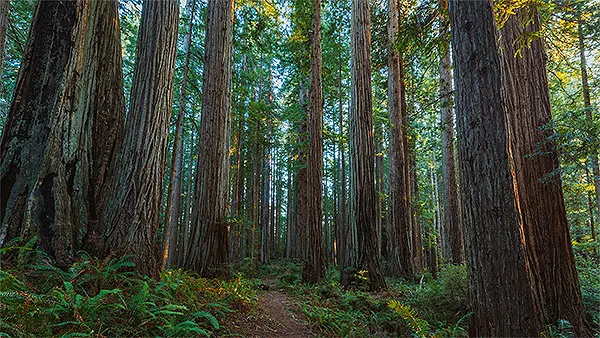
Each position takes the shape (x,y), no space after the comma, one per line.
(208,251)
(314,264)
(499,288)
(399,243)
(64,123)
(453,238)
(538,188)
(363,249)
(137,175)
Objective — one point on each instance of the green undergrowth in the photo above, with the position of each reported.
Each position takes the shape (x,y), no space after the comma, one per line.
(431,309)
(105,299)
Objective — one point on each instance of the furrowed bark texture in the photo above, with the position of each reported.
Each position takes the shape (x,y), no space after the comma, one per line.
(209,247)
(137,178)
(497,274)
(538,187)
(399,244)
(362,149)
(453,230)
(64,124)
(314,263)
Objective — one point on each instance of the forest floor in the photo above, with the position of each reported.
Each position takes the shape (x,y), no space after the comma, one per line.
(275,317)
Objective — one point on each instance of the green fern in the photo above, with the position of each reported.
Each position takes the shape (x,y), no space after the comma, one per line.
(419,326)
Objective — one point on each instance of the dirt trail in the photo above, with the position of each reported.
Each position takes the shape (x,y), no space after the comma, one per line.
(274,319)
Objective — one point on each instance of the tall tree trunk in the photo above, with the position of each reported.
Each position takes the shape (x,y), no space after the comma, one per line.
(184,233)
(453,230)
(301,187)
(415,213)
(362,154)
(538,189)
(593,158)
(399,244)
(4,11)
(314,263)
(209,248)
(63,127)
(341,232)
(174,192)
(497,274)
(137,182)
(265,205)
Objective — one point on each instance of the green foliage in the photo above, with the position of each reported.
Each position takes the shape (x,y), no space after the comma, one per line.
(103,298)
(444,300)
(589,279)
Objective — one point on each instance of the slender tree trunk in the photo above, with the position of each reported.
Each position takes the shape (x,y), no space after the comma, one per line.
(63,128)
(363,154)
(400,264)
(184,233)
(137,184)
(453,231)
(265,205)
(301,198)
(4,11)
(209,248)
(415,214)
(593,158)
(538,189)
(174,192)
(342,226)
(314,263)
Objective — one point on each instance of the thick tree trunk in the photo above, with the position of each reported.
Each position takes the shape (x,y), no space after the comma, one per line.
(4,11)
(314,263)
(63,127)
(538,189)
(209,248)
(173,209)
(399,242)
(453,230)
(137,182)
(497,274)
(363,154)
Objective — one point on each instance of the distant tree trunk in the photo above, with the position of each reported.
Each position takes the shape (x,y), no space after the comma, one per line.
(593,158)
(341,234)
(301,187)
(453,231)
(399,253)
(4,11)
(209,248)
(314,263)
(415,214)
(379,188)
(538,189)
(265,204)
(184,233)
(62,128)
(137,182)
(363,154)
(238,193)
(174,192)
(290,224)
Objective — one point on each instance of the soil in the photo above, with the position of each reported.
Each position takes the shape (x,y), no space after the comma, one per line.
(274,319)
